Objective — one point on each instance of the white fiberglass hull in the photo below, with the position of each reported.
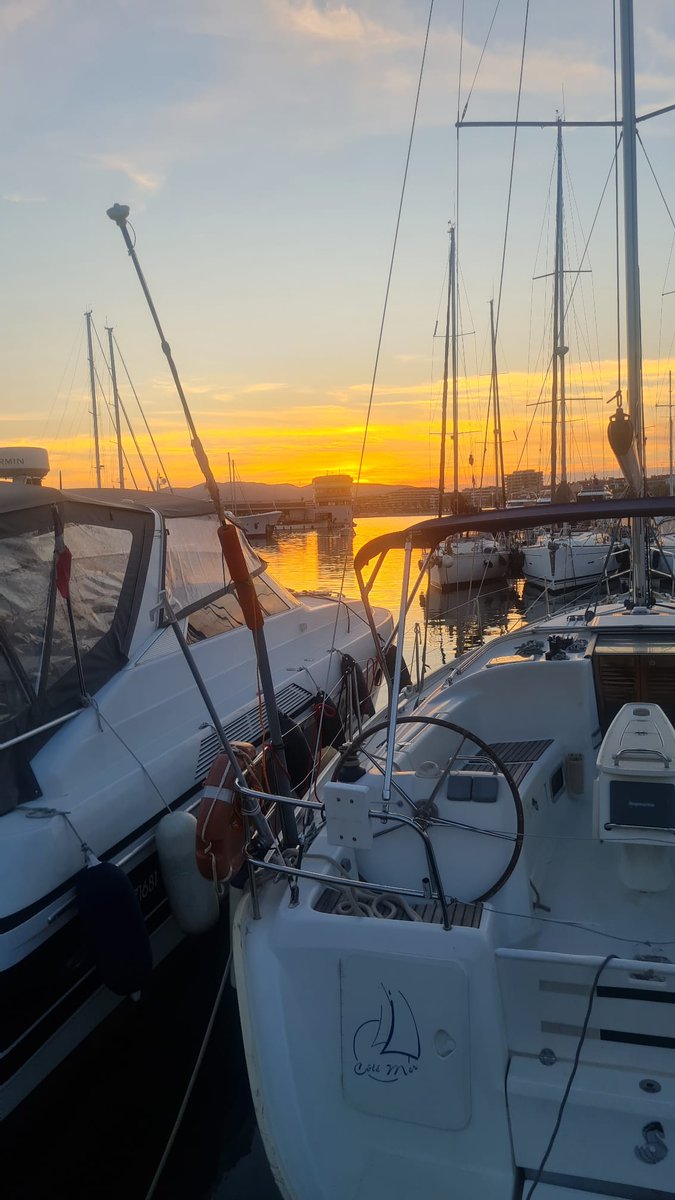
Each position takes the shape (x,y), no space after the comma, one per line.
(390,1057)
(258,525)
(107,774)
(560,563)
(470,561)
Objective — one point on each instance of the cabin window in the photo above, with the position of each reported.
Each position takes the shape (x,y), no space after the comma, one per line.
(272,601)
(100,559)
(195,572)
(36,653)
(217,617)
(223,614)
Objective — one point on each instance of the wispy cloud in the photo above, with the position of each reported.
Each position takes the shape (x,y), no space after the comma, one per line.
(338,23)
(263,387)
(14,13)
(22,198)
(147,181)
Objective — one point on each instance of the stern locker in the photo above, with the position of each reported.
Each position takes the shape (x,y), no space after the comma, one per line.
(630,671)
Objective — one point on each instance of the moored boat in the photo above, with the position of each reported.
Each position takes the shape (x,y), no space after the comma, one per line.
(458,985)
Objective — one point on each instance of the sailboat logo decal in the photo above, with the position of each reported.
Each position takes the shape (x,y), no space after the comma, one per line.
(387,1048)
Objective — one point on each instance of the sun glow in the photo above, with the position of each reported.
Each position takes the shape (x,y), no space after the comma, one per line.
(276,435)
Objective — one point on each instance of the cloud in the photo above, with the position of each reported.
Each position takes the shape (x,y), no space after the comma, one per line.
(22,198)
(337,23)
(145,180)
(263,387)
(14,13)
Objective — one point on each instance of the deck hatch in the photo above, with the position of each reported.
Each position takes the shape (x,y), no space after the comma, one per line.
(518,757)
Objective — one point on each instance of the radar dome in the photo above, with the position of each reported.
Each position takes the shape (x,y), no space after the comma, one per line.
(23,464)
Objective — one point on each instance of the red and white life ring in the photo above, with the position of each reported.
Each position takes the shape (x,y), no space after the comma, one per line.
(221,834)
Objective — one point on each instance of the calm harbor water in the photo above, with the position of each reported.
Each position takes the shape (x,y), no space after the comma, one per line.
(456,621)
(103,1120)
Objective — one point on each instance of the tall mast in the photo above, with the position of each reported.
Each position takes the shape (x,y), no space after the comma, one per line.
(116,403)
(633,328)
(561,348)
(94,407)
(455,404)
(444,403)
(670,426)
(499,449)
(554,356)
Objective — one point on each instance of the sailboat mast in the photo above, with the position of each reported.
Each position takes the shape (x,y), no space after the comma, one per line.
(554,356)
(560,348)
(670,426)
(116,403)
(499,449)
(633,327)
(455,403)
(94,406)
(446,361)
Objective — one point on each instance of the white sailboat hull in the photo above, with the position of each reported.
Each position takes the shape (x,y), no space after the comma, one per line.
(560,563)
(467,562)
(356,1104)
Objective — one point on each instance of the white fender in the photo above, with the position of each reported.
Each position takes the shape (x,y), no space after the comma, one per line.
(193,900)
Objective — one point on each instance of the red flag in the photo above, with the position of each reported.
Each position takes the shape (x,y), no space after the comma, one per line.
(62,557)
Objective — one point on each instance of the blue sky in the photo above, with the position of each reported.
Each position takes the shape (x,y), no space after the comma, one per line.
(261,147)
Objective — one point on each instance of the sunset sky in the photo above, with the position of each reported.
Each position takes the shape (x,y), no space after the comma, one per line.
(261,146)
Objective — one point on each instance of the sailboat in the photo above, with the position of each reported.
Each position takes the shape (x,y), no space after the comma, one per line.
(471,559)
(563,559)
(254,525)
(498,851)
(126,665)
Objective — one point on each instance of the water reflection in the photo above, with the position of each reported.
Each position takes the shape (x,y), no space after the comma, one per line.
(459,621)
(451,622)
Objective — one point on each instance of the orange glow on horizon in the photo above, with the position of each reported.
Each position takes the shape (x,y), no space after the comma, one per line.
(281,443)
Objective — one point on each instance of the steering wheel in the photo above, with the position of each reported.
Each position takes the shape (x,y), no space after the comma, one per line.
(489,753)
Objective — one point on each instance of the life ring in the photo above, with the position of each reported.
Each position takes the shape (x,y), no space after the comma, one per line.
(220,838)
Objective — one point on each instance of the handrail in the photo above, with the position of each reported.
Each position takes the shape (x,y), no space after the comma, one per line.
(23,737)
(641,752)
(429,533)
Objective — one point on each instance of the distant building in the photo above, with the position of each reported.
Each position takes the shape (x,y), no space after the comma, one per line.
(483,497)
(405,499)
(333,499)
(524,483)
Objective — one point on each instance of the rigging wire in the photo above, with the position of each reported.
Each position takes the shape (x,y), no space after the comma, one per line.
(570,1081)
(384,309)
(126,417)
(76,345)
(393,251)
(482,53)
(154,444)
(660,189)
(513,164)
(112,419)
(571,295)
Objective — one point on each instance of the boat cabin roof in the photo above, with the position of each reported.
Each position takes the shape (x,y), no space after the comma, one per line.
(17,496)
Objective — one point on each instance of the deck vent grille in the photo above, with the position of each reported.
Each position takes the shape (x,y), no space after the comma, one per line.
(292,700)
(518,756)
